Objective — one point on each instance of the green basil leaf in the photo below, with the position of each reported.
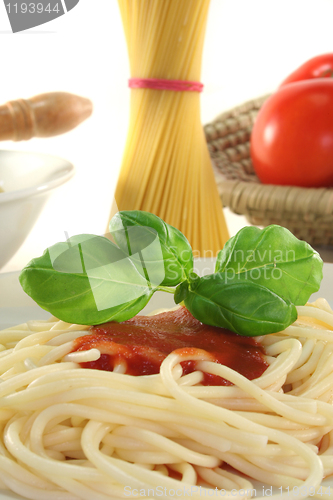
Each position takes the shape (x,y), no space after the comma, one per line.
(135,232)
(194,280)
(272,257)
(86,280)
(181,292)
(246,308)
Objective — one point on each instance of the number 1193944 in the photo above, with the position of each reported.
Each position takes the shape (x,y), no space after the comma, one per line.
(305,490)
(32,8)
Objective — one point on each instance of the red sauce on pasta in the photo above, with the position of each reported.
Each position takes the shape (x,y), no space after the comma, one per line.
(143,342)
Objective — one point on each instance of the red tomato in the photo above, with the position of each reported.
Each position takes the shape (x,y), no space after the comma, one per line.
(292,138)
(317,67)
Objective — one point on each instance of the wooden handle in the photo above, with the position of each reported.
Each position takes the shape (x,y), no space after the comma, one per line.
(44,115)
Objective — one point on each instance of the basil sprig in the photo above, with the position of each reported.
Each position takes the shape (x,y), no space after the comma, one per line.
(260,276)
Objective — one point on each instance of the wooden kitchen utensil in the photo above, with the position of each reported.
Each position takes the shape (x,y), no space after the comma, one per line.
(44,115)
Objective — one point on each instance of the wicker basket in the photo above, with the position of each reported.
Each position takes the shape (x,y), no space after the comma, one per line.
(306,212)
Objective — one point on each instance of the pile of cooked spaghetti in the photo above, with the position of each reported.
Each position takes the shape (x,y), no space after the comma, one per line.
(68,432)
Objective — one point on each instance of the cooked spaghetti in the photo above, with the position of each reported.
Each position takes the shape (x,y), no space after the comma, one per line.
(68,432)
(166,167)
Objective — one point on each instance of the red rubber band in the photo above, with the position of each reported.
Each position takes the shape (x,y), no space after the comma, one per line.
(165,84)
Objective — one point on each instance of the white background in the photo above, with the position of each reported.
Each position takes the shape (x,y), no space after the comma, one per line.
(250,47)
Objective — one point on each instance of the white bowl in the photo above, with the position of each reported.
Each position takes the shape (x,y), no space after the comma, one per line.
(27,180)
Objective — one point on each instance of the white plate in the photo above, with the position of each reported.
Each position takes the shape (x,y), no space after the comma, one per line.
(16,307)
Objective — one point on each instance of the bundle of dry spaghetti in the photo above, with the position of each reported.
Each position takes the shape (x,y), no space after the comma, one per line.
(166,167)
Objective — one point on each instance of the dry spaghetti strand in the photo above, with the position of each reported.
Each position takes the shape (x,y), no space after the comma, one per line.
(166,167)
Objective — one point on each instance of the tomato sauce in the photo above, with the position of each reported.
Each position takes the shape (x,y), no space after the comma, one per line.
(144,341)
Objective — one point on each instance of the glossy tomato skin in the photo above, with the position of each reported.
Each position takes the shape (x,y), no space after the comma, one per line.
(292,137)
(317,67)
